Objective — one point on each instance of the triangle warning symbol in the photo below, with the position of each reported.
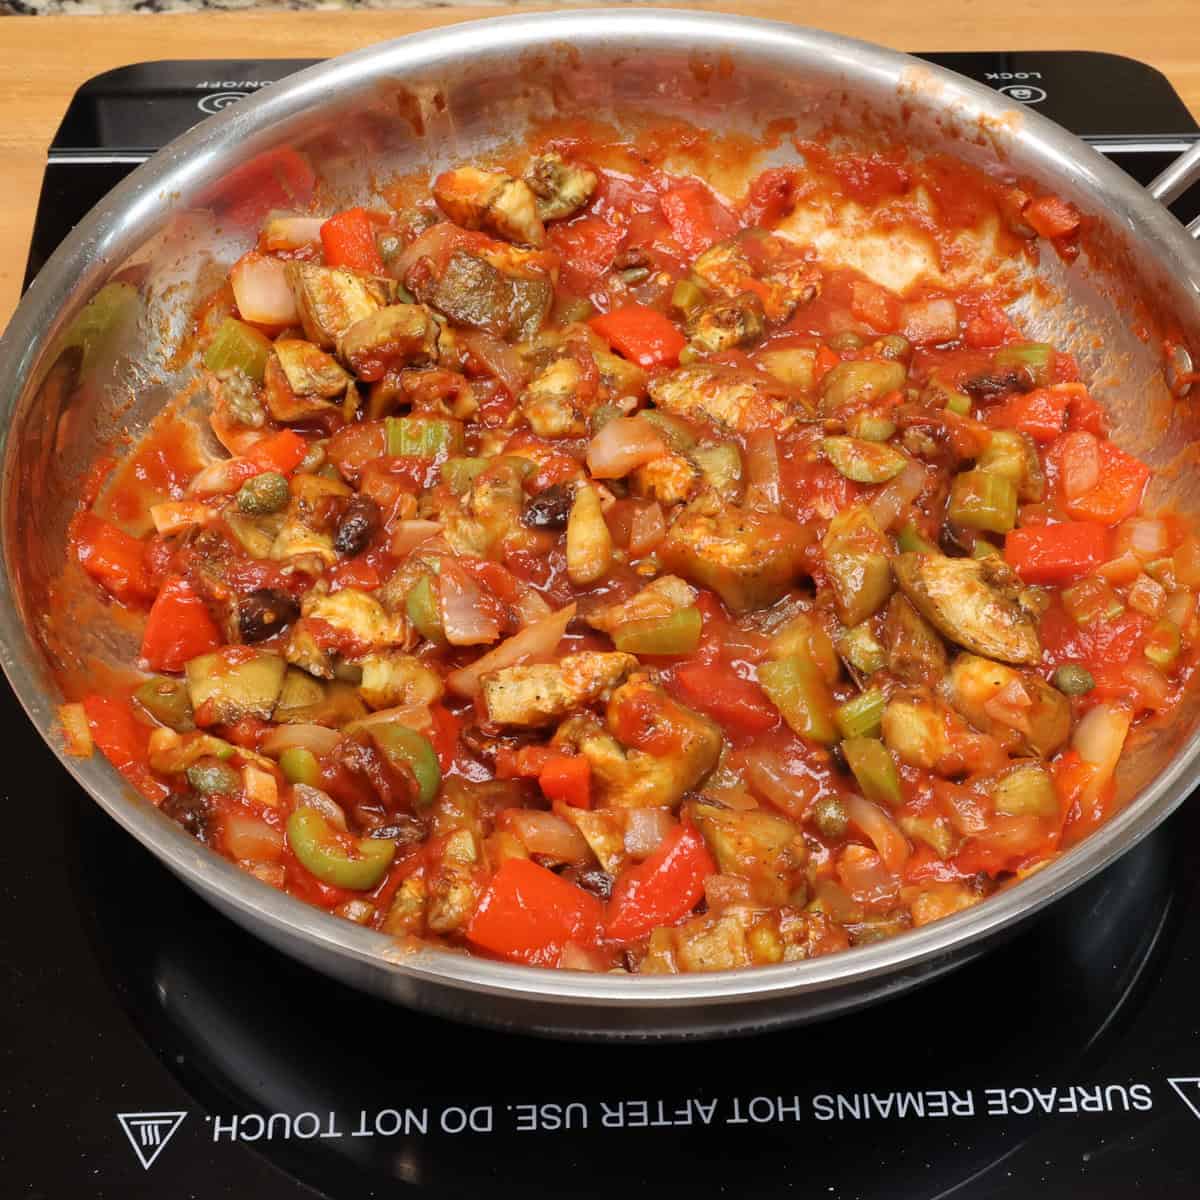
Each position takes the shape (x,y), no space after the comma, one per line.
(1188,1090)
(149,1132)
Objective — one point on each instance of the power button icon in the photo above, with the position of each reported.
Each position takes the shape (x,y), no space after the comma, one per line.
(1024,92)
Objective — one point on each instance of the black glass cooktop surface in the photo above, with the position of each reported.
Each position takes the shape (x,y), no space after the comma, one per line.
(153,1049)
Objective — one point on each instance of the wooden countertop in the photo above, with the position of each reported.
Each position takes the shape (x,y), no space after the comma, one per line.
(44,59)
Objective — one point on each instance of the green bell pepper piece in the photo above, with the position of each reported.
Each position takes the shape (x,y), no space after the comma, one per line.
(874,769)
(864,461)
(406,748)
(237,345)
(1037,358)
(1163,644)
(422,437)
(300,766)
(912,541)
(861,717)
(166,700)
(797,688)
(423,610)
(677,634)
(458,474)
(985,501)
(355,863)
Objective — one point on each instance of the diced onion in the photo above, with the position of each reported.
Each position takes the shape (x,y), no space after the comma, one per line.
(621,446)
(260,786)
(787,791)
(647,528)
(497,358)
(1010,706)
(884,833)
(582,958)
(248,838)
(316,738)
(548,834)
(889,503)
(437,243)
(467,619)
(762,471)
(414,716)
(1099,738)
(222,477)
(174,515)
(720,891)
(1143,537)
(261,291)
(76,730)
(1181,606)
(283,231)
(864,874)
(323,802)
(1152,689)
(927,321)
(408,535)
(1125,568)
(1080,463)
(645,828)
(535,643)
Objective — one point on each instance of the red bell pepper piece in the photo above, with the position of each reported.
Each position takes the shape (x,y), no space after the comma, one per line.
(1041,413)
(528,914)
(696,217)
(641,334)
(348,239)
(178,628)
(1052,216)
(113,558)
(826,360)
(587,247)
(567,777)
(444,735)
(874,305)
(1118,494)
(124,741)
(661,890)
(282,452)
(739,705)
(1056,554)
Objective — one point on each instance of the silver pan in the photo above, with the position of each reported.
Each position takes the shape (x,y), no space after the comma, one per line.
(445,96)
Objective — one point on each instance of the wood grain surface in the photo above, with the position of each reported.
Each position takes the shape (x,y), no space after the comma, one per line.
(44,59)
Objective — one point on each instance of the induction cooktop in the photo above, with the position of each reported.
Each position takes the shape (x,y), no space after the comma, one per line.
(153,1049)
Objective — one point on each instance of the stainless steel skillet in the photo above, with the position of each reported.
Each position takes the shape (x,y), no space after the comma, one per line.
(446,95)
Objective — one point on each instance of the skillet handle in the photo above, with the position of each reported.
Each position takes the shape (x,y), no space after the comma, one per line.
(1171,183)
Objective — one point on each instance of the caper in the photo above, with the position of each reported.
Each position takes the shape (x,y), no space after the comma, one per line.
(829,816)
(212,777)
(264,494)
(1073,680)
(894,346)
(265,612)
(846,340)
(241,398)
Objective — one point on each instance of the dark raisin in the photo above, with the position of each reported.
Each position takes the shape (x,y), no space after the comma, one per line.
(191,810)
(998,383)
(357,527)
(265,612)
(599,883)
(401,828)
(634,257)
(549,509)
